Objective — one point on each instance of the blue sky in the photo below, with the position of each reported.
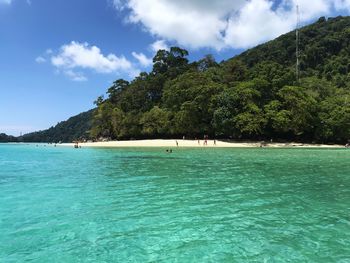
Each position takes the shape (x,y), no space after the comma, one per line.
(57,56)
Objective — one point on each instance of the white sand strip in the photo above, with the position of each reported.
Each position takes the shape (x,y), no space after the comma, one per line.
(194,143)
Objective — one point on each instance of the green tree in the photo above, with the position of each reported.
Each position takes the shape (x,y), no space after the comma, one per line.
(206,63)
(115,90)
(102,126)
(117,121)
(294,113)
(334,118)
(99,101)
(234,70)
(172,63)
(190,97)
(155,122)
(238,112)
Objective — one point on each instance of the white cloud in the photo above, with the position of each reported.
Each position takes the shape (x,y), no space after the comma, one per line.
(81,56)
(75,55)
(7,2)
(190,23)
(76,76)
(342,4)
(158,45)
(40,60)
(257,22)
(118,4)
(224,23)
(143,59)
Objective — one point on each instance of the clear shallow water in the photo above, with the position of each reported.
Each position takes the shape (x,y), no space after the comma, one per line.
(194,205)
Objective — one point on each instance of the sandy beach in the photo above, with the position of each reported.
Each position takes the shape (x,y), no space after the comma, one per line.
(174,143)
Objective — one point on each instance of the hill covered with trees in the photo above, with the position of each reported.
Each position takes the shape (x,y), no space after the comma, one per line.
(74,128)
(252,96)
(7,138)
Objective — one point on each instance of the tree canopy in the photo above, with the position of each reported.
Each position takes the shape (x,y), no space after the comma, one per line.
(254,95)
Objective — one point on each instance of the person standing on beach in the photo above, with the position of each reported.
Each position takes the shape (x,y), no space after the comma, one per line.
(177,144)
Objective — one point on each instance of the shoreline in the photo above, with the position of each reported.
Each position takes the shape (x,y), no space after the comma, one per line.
(180,143)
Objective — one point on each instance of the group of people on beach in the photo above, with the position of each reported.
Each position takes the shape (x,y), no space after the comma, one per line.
(205,141)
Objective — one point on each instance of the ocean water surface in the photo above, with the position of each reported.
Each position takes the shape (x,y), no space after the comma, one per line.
(194,205)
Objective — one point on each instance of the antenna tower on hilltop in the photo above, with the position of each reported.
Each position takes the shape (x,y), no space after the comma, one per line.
(297,40)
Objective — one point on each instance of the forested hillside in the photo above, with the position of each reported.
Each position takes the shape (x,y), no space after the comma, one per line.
(74,128)
(252,96)
(7,138)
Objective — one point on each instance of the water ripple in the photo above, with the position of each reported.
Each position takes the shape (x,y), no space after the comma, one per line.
(195,205)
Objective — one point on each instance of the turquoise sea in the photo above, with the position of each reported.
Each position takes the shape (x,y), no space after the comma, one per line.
(194,205)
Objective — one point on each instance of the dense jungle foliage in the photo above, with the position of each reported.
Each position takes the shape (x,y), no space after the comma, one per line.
(253,96)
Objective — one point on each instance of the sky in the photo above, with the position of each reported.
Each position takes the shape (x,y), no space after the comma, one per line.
(57,57)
